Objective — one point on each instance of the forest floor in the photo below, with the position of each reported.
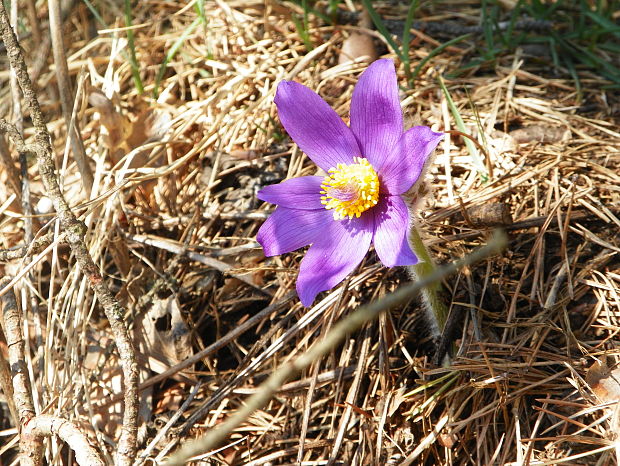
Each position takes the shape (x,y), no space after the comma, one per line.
(180,130)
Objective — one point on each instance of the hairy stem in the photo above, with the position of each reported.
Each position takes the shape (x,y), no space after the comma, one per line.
(437,311)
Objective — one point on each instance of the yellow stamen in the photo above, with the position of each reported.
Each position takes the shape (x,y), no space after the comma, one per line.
(350,189)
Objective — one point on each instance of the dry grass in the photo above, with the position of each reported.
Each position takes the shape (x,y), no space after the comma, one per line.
(173,218)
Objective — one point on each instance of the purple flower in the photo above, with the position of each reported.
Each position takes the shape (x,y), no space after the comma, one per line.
(369,166)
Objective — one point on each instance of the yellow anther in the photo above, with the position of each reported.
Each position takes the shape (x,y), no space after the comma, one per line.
(350,189)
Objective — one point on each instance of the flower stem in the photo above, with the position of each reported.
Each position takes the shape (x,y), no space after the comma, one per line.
(436,308)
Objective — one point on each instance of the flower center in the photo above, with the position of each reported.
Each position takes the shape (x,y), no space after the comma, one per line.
(350,189)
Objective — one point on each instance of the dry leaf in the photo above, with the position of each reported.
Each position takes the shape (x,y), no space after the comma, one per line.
(122,134)
(540,133)
(447,440)
(151,125)
(117,126)
(162,334)
(359,44)
(492,214)
(171,398)
(356,46)
(604,382)
(397,399)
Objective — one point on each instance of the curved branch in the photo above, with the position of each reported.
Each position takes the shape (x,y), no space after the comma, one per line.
(45,425)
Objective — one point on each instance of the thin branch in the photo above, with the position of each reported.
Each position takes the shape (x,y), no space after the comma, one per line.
(9,166)
(340,331)
(76,230)
(45,426)
(31,450)
(6,385)
(35,247)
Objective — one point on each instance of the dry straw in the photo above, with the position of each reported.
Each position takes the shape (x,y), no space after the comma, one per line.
(172,218)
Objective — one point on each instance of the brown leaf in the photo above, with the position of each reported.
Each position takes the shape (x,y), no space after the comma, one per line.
(162,334)
(356,46)
(123,134)
(494,214)
(151,125)
(447,440)
(540,133)
(604,382)
(117,126)
(171,398)
(359,44)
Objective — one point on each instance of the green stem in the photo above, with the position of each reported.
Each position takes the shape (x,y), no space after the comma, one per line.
(432,294)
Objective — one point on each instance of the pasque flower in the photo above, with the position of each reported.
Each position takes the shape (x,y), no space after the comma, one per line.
(369,166)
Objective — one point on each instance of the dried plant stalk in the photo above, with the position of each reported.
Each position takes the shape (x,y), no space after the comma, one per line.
(343,328)
(64,89)
(76,230)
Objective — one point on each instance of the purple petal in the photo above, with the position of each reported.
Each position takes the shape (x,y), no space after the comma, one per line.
(406,161)
(392,231)
(289,229)
(297,193)
(333,256)
(315,126)
(376,117)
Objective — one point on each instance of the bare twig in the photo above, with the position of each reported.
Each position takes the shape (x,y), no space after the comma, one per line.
(31,449)
(6,386)
(17,116)
(44,426)
(76,231)
(319,349)
(35,247)
(8,165)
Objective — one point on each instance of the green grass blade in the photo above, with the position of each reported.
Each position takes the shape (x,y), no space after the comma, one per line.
(473,152)
(96,14)
(135,69)
(303,33)
(172,52)
(406,38)
(307,41)
(608,26)
(314,11)
(431,383)
(332,10)
(199,6)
